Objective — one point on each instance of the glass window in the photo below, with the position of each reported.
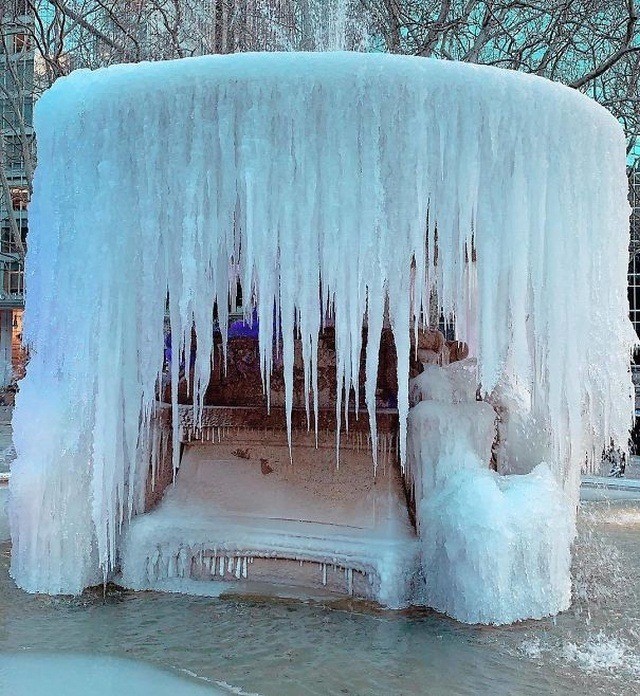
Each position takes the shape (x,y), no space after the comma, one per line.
(21,42)
(634,260)
(19,198)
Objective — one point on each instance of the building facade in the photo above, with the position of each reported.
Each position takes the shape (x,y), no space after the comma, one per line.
(634,289)
(16,164)
(634,251)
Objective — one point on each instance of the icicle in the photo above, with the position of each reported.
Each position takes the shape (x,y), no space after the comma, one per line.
(322,225)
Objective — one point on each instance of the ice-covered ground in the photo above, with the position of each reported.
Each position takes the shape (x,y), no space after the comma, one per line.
(43,674)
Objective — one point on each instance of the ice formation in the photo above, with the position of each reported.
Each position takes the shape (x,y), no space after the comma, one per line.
(495,548)
(359,186)
(64,673)
(223,517)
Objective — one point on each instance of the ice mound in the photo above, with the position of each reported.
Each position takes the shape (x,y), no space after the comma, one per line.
(223,517)
(523,428)
(495,549)
(454,384)
(444,437)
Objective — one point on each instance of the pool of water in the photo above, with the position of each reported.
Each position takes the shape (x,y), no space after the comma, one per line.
(279,647)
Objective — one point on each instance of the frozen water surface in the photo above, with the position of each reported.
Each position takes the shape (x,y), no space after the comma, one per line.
(29,674)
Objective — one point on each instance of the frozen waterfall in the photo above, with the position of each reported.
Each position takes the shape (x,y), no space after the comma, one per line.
(350,185)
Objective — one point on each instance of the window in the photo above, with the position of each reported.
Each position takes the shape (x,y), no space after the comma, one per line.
(14,279)
(19,198)
(7,242)
(21,42)
(27,111)
(13,153)
(634,261)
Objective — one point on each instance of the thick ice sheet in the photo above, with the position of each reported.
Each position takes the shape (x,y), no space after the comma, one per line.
(78,675)
(306,177)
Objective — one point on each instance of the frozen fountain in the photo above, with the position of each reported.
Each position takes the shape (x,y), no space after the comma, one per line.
(351,196)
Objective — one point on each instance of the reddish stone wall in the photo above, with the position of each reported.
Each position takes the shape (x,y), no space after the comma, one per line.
(241,383)
(235,403)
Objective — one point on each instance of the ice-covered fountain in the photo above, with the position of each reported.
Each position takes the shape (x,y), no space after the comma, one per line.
(355,194)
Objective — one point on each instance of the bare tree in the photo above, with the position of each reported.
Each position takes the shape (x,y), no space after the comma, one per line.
(16,104)
(101,32)
(590,45)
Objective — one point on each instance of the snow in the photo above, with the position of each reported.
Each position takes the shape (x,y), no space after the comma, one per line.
(321,182)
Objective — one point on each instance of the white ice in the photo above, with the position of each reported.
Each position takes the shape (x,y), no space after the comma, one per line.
(5,534)
(98,675)
(338,519)
(495,548)
(323,182)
